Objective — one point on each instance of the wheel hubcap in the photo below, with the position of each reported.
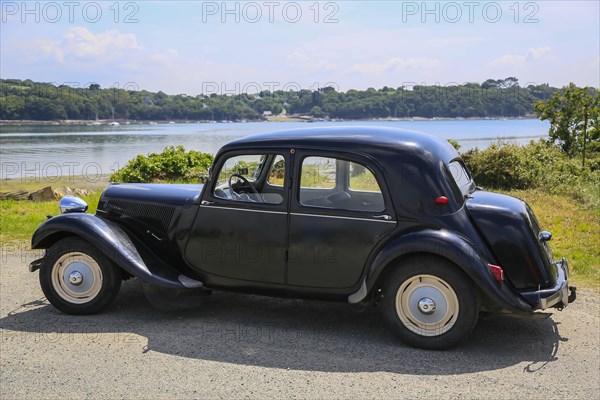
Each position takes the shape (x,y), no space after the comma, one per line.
(77,278)
(427,305)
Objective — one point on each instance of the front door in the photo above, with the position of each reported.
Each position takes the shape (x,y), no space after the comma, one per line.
(240,231)
(339,212)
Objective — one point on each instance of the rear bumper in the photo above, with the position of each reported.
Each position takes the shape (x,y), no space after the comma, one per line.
(558,296)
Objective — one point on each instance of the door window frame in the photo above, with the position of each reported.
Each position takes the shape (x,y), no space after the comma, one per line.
(297,207)
(215,201)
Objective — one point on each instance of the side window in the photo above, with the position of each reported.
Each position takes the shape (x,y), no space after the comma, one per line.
(339,184)
(277,172)
(242,178)
(361,179)
(318,172)
(461,176)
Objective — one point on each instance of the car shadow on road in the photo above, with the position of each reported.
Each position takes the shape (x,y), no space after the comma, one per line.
(289,334)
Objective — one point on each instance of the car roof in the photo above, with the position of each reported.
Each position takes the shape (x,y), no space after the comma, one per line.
(365,139)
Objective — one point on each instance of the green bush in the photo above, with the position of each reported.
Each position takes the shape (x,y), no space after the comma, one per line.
(538,165)
(454,144)
(173,164)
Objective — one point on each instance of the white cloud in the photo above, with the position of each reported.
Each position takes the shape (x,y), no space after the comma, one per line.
(80,43)
(50,48)
(167,57)
(395,64)
(532,54)
(538,53)
(509,59)
(309,64)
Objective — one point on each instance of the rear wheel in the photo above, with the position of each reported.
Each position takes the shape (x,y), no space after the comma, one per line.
(77,278)
(429,303)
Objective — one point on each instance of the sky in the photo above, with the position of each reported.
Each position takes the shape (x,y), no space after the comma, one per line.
(195,47)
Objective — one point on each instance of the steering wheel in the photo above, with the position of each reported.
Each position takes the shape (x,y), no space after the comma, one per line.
(238,196)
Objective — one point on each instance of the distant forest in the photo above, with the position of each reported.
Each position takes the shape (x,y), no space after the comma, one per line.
(28,100)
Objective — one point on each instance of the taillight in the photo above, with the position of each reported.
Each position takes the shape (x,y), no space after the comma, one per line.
(497,272)
(442,200)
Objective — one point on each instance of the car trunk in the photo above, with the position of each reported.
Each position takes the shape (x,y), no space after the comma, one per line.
(511,231)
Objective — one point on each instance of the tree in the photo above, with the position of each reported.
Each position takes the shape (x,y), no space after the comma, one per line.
(490,84)
(43,101)
(317,112)
(509,82)
(574,116)
(277,109)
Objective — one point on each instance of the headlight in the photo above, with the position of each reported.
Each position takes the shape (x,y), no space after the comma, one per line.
(72,204)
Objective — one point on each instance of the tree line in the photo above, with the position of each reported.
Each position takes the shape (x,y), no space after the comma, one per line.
(28,100)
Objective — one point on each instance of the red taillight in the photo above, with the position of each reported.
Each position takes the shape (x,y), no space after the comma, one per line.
(442,200)
(497,272)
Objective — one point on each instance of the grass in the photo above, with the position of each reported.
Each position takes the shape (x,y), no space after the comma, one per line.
(575,228)
(19,219)
(575,232)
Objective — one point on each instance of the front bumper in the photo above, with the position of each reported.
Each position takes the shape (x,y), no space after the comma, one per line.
(558,296)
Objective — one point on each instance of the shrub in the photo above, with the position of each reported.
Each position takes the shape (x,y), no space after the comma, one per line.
(173,164)
(454,144)
(538,165)
(499,166)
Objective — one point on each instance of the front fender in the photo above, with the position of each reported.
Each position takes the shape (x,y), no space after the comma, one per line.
(114,242)
(453,248)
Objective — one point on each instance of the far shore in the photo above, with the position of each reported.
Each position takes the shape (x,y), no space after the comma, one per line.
(280,118)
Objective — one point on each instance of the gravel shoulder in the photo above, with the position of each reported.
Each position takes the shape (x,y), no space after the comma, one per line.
(242,346)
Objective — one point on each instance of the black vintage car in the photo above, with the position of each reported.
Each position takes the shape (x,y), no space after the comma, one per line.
(359,215)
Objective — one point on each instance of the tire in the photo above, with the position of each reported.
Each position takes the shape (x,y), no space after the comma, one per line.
(77,278)
(429,303)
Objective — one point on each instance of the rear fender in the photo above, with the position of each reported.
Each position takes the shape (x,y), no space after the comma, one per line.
(453,248)
(114,242)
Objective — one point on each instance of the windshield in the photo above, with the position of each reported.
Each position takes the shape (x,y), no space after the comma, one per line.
(461,176)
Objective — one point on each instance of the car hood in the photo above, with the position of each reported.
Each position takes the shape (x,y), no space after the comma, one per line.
(146,207)
(163,193)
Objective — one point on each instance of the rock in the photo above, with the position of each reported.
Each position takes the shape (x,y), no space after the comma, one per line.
(82,192)
(62,192)
(68,191)
(16,195)
(44,194)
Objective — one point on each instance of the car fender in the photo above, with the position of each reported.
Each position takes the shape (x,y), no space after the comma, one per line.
(452,247)
(114,242)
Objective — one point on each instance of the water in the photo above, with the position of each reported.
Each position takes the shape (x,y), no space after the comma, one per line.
(92,151)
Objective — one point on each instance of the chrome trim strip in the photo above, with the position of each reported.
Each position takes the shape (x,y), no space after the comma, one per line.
(340,217)
(244,209)
(299,214)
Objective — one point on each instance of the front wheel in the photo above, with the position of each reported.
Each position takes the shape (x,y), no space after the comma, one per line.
(77,278)
(429,303)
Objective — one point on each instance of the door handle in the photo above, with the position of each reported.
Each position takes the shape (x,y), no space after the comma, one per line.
(384,216)
(206,203)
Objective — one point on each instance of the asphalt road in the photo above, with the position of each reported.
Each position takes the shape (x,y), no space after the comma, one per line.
(240,346)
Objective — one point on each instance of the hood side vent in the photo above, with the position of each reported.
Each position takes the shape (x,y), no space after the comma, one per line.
(157,215)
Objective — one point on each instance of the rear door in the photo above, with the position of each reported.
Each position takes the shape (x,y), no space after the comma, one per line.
(340,210)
